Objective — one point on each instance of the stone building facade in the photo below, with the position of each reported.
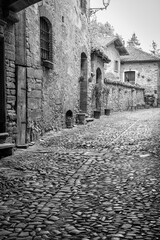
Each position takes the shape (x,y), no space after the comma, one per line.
(114,49)
(8,86)
(49,72)
(143,69)
(42,93)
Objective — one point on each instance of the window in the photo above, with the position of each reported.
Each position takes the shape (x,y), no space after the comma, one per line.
(83,6)
(116,66)
(45,40)
(129,77)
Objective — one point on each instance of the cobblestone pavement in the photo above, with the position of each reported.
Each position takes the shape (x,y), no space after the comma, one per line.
(98,181)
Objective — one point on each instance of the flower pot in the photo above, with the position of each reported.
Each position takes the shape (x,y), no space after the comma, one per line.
(97,114)
(107,111)
(81,118)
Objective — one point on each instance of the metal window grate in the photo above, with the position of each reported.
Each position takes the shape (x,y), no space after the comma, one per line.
(44,39)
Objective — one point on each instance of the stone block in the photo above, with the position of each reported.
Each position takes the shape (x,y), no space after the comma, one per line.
(30,72)
(10,55)
(11,85)
(38,73)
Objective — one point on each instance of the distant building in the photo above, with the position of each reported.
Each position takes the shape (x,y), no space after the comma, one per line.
(114,48)
(142,68)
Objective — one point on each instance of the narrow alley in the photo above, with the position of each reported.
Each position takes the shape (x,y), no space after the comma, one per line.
(92,182)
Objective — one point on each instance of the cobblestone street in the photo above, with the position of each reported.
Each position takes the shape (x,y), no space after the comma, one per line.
(96,181)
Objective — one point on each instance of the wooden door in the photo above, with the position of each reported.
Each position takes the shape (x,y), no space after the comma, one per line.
(21,106)
(2,89)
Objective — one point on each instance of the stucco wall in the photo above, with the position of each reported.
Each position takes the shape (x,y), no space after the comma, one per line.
(113,55)
(55,91)
(146,75)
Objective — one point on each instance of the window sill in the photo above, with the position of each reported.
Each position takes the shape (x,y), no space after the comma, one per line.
(47,64)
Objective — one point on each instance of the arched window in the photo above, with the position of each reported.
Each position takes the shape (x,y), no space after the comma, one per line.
(45,39)
(98,75)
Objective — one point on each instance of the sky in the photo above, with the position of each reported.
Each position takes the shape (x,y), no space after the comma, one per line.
(141,17)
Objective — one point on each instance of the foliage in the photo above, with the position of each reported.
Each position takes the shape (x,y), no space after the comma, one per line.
(155,50)
(134,41)
(100,29)
(121,38)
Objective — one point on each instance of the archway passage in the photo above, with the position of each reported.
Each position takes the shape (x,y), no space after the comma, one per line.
(83,83)
(2,88)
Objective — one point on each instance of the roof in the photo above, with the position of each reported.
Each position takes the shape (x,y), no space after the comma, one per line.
(107,41)
(138,55)
(100,53)
(118,44)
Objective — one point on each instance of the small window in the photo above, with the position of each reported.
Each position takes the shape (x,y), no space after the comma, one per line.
(83,5)
(116,66)
(130,77)
(45,39)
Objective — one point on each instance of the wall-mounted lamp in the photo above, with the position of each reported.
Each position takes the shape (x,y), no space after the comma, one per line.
(94,10)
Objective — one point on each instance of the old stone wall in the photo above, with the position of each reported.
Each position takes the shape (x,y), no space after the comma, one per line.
(146,75)
(11,119)
(52,92)
(123,97)
(118,96)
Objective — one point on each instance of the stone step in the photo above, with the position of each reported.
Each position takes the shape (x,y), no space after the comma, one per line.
(4,135)
(6,149)
(89,119)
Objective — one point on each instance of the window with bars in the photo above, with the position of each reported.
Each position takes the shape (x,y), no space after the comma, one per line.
(45,39)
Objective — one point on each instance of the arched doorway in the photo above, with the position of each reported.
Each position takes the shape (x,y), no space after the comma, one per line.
(69,119)
(83,83)
(98,76)
(98,89)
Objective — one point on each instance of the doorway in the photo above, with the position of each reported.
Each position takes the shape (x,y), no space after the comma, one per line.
(83,83)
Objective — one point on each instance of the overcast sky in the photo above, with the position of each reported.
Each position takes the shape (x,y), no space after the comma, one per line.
(129,16)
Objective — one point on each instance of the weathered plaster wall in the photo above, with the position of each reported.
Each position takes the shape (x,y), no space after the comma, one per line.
(113,55)
(146,75)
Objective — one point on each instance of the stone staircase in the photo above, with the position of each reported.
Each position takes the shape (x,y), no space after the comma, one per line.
(6,148)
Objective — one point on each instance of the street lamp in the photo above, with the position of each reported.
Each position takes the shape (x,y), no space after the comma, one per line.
(94,10)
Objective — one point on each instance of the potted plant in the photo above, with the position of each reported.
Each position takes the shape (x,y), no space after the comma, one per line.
(96,96)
